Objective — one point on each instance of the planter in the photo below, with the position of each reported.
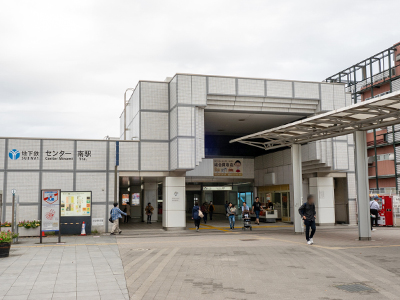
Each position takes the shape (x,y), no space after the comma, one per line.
(5,249)
(5,229)
(28,231)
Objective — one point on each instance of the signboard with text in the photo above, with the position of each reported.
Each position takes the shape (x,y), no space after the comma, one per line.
(50,214)
(135,199)
(76,204)
(228,166)
(125,199)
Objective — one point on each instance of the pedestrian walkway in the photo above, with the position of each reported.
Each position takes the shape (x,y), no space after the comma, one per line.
(269,262)
(82,268)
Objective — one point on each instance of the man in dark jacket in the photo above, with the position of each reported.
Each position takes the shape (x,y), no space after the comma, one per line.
(307,212)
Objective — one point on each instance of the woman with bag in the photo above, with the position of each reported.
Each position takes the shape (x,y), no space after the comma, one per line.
(231,212)
(196,215)
(149,211)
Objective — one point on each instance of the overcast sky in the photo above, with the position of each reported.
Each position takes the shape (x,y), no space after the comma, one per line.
(64,65)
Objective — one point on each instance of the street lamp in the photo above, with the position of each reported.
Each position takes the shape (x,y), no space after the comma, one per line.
(125,103)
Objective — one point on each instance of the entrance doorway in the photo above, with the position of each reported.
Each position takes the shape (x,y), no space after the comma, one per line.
(280,197)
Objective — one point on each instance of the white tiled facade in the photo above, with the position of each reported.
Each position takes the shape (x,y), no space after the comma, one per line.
(166,133)
(69,165)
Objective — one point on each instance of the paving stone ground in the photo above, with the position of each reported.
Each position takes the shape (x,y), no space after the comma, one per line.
(269,262)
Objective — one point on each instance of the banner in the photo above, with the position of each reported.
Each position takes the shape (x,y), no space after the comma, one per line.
(50,210)
(74,204)
(228,166)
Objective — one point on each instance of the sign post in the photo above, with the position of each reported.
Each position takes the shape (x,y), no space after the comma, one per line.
(50,209)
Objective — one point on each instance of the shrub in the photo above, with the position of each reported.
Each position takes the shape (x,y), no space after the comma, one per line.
(7,236)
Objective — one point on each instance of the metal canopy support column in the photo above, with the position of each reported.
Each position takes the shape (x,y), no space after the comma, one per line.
(361,163)
(297,186)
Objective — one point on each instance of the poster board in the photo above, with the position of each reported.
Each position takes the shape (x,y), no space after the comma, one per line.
(228,166)
(135,199)
(125,199)
(76,204)
(50,210)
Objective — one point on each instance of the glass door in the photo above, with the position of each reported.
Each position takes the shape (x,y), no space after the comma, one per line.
(285,207)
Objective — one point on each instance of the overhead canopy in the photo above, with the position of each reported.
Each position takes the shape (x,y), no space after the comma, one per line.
(375,113)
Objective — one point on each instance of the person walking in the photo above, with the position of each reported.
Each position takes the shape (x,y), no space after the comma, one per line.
(128,212)
(231,211)
(205,210)
(196,215)
(211,210)
(256,209)
(149,211)
(308,214)
(115,216)
(374,211)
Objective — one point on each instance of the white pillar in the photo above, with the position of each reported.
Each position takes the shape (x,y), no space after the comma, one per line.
(150,195)
(361,163)
(297,186)
(174,204)
(322,189)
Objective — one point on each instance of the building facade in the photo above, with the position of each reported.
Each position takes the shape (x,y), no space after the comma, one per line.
(372,77)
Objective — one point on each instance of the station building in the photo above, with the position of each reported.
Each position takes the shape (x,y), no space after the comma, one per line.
(174,148)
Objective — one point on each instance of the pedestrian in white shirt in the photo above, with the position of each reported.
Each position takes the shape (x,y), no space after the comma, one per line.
(374,210)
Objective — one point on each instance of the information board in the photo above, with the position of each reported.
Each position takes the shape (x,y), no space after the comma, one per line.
(50,210)
(76,204)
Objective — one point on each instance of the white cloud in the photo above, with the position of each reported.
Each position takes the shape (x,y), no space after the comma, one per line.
(64,66)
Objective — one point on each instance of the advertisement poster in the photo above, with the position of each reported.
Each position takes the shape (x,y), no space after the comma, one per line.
(136,199)
(228,166)
(74,204)
(50,210)
(125,199)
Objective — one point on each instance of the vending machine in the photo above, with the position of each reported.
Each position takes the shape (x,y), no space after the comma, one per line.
(386,211)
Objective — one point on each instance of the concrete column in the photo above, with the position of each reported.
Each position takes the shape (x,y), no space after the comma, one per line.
(324,195)
(174,196)
(361,164)
(150,195)
(297,186)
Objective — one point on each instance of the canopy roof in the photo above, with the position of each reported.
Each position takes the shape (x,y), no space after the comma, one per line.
(375,113)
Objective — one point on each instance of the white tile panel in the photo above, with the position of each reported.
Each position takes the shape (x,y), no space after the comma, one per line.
(306,90)
(154,126)
(174,154)
(251,87)
(205,168)
(258,163)
(184,89)
(351,158)
(28,213)
(221,85)
(287,157)
(128,156)
(93,182)
(58,180)
(91,155)
(154,156)
(185,121)
(267,161)
(112,158)
(341,156)
(340,96)
(277,158)
(199,134)
(173,123)
(154,95)
(29,154)
(279,88)
(2,154)
(351,185)
(58,155)
(199,90)
(26,184)
(186,153)
(172,93)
